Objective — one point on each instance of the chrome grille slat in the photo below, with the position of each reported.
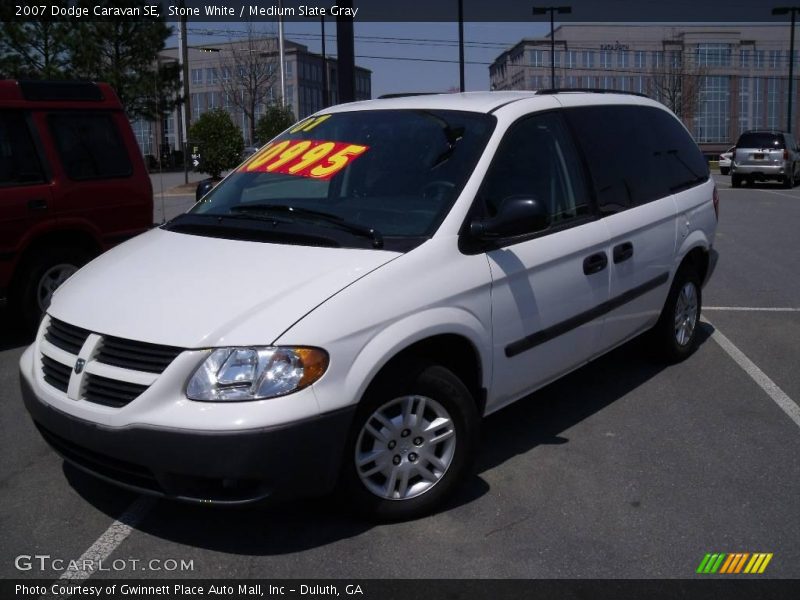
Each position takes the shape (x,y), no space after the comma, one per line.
(67,337)
(55,373)
(135,355)
(110,392)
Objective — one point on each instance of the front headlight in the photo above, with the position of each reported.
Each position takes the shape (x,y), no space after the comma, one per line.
(237,374)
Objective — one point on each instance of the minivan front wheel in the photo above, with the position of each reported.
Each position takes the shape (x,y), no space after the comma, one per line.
(411,444)
(675,334)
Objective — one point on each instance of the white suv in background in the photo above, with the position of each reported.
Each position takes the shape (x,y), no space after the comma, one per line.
(344,308)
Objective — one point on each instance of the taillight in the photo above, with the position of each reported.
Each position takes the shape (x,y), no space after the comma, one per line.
(785,154)
(715,198)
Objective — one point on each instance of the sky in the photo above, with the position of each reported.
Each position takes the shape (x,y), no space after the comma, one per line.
(417,57)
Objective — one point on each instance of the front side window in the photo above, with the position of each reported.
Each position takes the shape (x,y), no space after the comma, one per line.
(90,146)
(396,172)
(536,159)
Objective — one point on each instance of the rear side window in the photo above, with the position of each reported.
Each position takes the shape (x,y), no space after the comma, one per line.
(636,154)
(19,161)
(755,139)
(90,146)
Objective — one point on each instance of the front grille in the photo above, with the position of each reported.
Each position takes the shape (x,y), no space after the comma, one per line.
(110,392)
(66,336)
(138,356)
(55,373)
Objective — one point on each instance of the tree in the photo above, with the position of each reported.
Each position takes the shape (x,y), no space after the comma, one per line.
(33,49)
(677,83)
(124,53)
(220,142)
(247,72)
(274,121)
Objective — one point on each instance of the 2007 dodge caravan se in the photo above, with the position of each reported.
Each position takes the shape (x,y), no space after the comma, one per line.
(343,309)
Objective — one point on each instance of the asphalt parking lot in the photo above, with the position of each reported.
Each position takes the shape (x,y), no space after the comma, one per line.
(624,469)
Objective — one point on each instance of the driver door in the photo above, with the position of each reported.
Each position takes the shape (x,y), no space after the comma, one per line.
(548,286)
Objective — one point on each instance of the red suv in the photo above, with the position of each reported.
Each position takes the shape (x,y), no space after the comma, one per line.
(72,184)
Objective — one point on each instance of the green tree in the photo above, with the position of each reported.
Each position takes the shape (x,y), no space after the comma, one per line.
(124,53)
(220,142)
(34,48)
(274,121)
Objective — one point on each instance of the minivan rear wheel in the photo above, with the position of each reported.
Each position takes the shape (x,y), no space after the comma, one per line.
(675,334)
(411,444)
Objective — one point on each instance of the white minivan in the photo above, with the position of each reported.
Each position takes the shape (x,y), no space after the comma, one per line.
(345,307)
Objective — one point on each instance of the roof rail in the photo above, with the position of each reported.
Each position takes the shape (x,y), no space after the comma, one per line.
(407,94)
(60,90)
(592,90)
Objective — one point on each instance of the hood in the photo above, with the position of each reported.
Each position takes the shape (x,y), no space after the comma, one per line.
(193,292)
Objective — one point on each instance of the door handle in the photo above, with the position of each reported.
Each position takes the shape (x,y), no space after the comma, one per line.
(37,204)
(623,252)
(595,263)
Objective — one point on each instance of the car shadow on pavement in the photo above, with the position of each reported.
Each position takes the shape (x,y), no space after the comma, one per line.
(301,525)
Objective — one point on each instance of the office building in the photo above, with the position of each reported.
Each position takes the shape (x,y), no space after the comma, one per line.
(721,80)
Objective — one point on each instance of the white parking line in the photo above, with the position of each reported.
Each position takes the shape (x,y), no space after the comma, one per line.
(778,396)
(117,532)
(752,308)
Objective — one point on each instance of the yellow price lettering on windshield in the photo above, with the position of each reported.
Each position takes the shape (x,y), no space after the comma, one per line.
(317,159)
(309,124)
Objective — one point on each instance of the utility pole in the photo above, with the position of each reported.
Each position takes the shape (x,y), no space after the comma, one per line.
(783,10)
(346,55)
(325,97)
(281,54)
(562,10)
(461,44)
(183,59)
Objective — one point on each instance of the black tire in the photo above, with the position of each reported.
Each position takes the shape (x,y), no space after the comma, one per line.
(440,387)
(31,279)
(668,344)
(787,182)
(736,181)
(724,170)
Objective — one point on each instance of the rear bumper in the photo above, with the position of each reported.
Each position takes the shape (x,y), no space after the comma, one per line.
(765,171)
(232,467)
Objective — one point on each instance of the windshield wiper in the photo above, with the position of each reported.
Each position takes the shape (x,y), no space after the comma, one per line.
(310,214)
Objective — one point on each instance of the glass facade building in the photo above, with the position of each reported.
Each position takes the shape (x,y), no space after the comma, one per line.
(720,80)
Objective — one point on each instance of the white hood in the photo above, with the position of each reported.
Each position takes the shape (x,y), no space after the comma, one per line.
(194,292)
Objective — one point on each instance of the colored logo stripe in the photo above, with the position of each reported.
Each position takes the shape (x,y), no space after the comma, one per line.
(733,563)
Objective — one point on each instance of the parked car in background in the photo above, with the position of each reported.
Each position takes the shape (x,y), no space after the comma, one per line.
(725,160)
(763,155)
(342,311)
(72,181)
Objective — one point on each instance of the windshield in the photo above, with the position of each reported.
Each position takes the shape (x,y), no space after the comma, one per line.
(371,178)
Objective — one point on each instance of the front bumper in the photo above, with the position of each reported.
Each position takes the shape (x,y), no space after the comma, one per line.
(222,467)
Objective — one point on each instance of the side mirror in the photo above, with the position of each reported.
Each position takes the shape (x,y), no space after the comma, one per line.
(518,215)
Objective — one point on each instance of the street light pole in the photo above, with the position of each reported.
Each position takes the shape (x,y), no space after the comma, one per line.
(461,45)
(562,10)
(783,10)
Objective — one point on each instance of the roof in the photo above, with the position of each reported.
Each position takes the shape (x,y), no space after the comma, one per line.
(487,102)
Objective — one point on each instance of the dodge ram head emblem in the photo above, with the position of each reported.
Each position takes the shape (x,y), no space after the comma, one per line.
(79,366)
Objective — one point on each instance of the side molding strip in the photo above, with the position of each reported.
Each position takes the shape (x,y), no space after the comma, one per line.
(545,335)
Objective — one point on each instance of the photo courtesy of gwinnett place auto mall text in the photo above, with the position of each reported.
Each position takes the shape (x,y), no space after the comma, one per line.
(400,299)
